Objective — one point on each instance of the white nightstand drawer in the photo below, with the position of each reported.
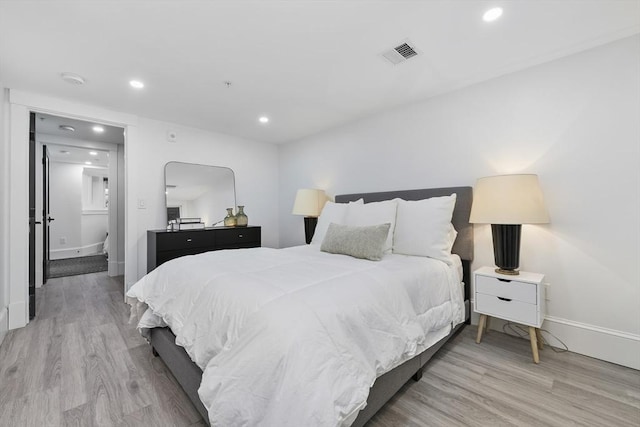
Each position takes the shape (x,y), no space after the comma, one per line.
(516,311)
(507,288)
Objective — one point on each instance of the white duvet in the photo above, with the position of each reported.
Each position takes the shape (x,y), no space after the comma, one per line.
(296,337)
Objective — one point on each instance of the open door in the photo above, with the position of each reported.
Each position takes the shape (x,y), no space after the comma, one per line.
(32,216)
(46,216)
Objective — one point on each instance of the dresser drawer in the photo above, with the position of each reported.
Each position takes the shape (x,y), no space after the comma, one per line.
(516,311)
(176,240)
(506,288)
(238,237)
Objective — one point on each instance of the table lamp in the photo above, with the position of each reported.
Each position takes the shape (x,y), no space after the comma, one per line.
(309,202)
(506,202)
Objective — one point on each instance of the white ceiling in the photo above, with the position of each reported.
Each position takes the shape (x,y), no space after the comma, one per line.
(50,125)
(308,65)
(77,155)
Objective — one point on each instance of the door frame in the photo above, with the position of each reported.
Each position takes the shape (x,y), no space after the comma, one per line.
(17,245)
(114,268)
(33,249)
(46,215)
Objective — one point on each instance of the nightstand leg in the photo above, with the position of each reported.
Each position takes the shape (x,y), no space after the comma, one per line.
(483,319)
(540,340)
(534,344)
(487,322)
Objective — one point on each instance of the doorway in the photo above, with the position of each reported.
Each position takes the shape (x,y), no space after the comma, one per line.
(76,169)
(76,223)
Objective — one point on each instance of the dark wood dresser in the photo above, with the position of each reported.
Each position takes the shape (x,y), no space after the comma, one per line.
(163,245)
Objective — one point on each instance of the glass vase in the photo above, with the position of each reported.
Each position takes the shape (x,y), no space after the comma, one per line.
(230,219)
(241,218)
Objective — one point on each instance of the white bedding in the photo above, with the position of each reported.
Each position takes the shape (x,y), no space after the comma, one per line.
(296,336)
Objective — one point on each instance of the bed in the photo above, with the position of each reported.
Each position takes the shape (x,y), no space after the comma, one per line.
(246,368)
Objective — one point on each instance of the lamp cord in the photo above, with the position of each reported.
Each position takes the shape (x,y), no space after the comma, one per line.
(520,332)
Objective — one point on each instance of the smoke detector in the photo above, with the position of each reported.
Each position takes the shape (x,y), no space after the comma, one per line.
(68,128)
(74,79)
(400,53)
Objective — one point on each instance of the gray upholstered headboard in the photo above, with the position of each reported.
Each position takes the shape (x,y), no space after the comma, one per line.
(464,196)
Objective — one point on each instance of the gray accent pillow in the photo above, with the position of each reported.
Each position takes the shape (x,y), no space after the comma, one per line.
(359,242)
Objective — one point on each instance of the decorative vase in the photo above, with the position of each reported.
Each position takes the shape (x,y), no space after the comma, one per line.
(241,218)
(230,219)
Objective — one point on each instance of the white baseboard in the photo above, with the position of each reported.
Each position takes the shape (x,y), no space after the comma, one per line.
(613,346)
(4,323)
(17,315)
(116,268)
(92,249)
(618,347)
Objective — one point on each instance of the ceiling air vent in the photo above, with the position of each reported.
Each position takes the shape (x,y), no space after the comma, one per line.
(399,53)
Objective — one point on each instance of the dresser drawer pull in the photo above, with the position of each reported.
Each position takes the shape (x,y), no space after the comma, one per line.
(188,240)
(240,236)
(504,280)
(504,299)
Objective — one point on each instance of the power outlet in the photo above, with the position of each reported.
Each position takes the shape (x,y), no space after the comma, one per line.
(63,240)
(142,204)
(547,291)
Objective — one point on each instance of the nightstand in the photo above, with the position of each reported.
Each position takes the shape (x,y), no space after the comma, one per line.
(518,299)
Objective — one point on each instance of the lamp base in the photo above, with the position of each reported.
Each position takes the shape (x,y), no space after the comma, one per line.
(310,223)
(507,272)
(506,247)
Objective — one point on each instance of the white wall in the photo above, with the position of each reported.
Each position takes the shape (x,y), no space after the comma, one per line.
(120,214)
(255,166)
(4,210)
(65,193)
(574,122)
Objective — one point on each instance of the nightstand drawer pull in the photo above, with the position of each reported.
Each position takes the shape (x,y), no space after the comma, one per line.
(504,299)
(188,240)
(240,236)
(504,280)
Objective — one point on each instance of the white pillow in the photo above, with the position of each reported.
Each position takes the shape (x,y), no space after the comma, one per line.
(423,227)
(331,212)
(373,214)
(451,236)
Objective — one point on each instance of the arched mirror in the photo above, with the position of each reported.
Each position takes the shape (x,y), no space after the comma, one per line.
(198,191)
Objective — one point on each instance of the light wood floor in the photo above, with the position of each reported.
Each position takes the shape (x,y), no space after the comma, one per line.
(80,363)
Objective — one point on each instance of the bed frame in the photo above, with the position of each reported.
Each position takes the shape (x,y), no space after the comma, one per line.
(189,375)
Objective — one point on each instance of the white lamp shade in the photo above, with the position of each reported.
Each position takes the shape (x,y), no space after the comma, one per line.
(508,199)
(309,202)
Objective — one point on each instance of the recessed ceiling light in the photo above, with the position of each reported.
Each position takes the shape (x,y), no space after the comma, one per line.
(87,163)
(93,153)
(264,119)
(67,128)
(136,84)
(73,78)
(492,14)
(98,129)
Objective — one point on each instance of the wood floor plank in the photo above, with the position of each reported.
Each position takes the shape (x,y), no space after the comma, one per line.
(165,387)
(80,363)
(611,411)
(38,408)
(487,401)
(12,365)
(80,416)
